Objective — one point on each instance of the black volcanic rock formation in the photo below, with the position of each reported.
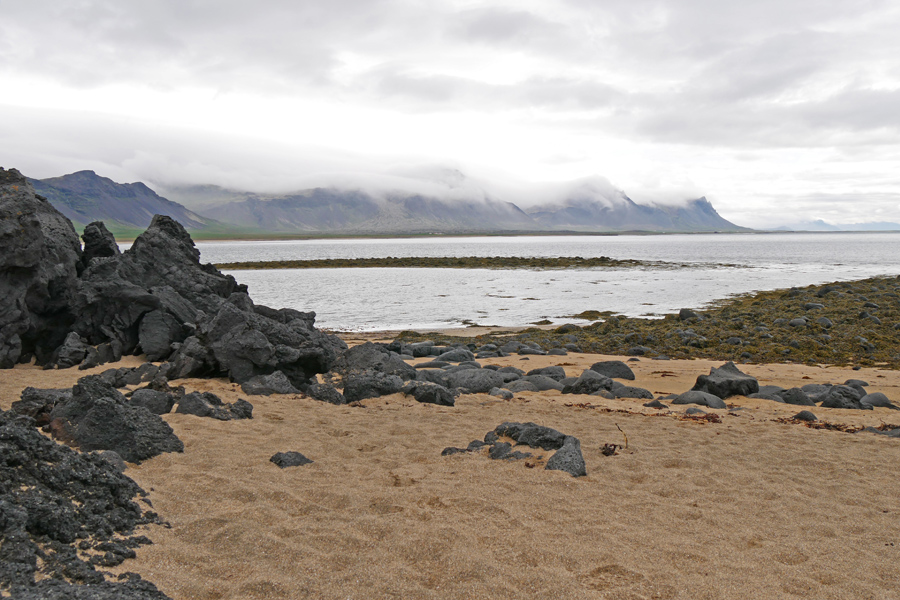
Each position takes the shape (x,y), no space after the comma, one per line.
(61,514)
(39,256)
(156,298)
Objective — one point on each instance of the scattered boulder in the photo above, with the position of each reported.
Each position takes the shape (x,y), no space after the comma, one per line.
(795,396)
(370,384)
(701,398)
(614,369)
(655,404)
(532,434)
(289,459)
(376,357)
(805,415)
(568,458)
(843,396)
(98,417)
(501,393)
(207,404)
(727,381)
(521,385)
(627,391)
(555,373)
(877,399)
(542,383)
(589,382)
(456,355)
(266,385)
(429,393)
(476,381)
(157,402)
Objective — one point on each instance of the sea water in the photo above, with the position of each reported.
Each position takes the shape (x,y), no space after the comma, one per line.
(718,266)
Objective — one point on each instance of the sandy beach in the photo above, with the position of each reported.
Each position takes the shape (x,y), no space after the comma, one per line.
(750,507)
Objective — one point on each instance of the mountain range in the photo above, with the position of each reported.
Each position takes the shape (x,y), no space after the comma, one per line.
(460,208)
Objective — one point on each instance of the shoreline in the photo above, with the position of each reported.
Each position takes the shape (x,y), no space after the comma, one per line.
(381,513)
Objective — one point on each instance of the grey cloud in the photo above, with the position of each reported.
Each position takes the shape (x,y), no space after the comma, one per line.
(433,92)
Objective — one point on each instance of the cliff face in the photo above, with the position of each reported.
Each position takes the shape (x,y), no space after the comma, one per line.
(39,261)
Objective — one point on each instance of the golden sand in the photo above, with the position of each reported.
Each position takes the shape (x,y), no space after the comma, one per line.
(747,508)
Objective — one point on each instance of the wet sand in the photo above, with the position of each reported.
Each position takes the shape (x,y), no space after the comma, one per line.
(747,508)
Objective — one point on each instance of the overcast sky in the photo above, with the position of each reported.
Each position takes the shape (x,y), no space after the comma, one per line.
(777,110)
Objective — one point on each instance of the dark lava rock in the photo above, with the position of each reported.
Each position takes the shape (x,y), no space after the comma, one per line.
(39,259)
(568,458)
(52,497)
(207,404)
(451,450)
(656,404)
(856,383)
(556,373)
(701,398)
(588,383)
(532,434)
(542,383)
(685,313)
(98,417)
(795,396)
(879,400)
(39,403)
(197,317)
(456,355)
(157,402)
(805,415)
(157,332)
(842,396)
(71,352)
(532,350)
(627,391)
(289,459)
(374,357)
(894,433)
(429,393)
(266,385)
(325,393)
(613,369)
(500,450)
(726,381)
(476,381)
(370,384)
(521,385)
(99,242)
(155,297)
(501,393)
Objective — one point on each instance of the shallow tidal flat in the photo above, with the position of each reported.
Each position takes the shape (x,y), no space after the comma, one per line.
(754,506)
(856,322)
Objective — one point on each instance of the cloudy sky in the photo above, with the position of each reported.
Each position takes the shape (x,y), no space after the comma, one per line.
(778,111)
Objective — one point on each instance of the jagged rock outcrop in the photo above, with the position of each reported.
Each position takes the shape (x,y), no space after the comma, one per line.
(68,307)
(39,257)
